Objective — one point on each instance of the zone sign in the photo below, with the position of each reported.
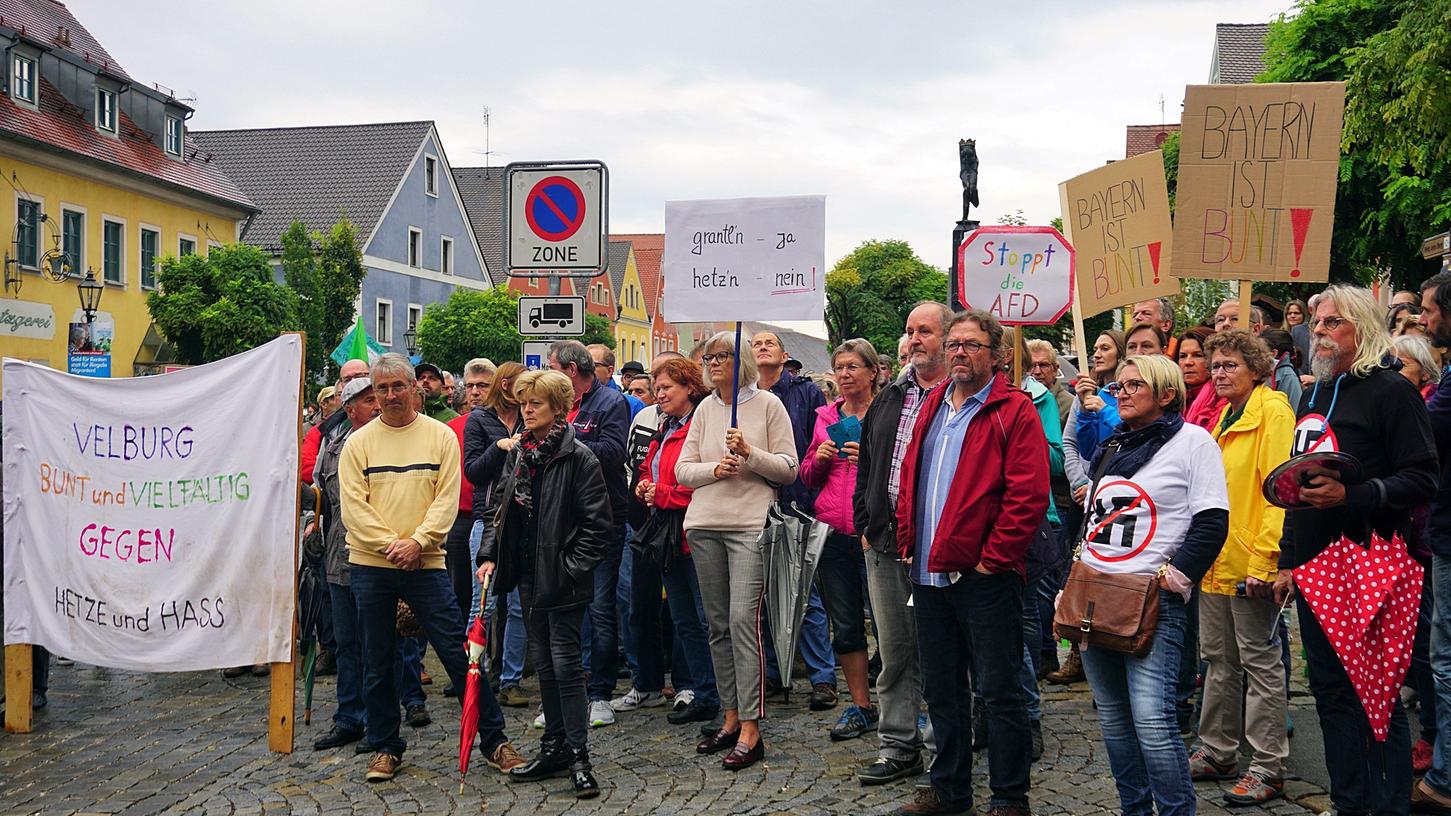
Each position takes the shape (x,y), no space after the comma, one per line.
(556,218)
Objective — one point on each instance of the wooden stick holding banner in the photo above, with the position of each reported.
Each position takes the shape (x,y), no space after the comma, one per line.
(1246,296)
(19,686)
(282,703)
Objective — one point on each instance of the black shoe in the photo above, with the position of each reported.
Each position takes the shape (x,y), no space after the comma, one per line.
(417,715)
(450,691)
(553,760)
(890,770)
(1035,729)
(874,669)
(235,671)
(585,786)
(365,747)
(823,696)
(327,665)
(696,711)
(38,701)
(773,688)
(339,736)
(979,728)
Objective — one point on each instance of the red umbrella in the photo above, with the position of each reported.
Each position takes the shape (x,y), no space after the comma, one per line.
(478,642)
(1367,601)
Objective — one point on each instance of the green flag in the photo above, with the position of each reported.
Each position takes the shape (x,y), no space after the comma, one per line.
(357,345)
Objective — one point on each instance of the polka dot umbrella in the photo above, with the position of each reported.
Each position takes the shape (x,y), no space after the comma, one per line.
(1366,600)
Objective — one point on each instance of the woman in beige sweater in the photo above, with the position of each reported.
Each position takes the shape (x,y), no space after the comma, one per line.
(735,471)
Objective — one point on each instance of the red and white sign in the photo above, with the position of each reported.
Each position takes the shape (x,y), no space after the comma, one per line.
(1023,276)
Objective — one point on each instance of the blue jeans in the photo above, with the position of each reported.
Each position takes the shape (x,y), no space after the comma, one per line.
(1031,634)
(960,628)
(377,590)
(601,631)
(692,668)
(1439,777)
(352,714)
(516,640)
(1136,702)
(814,643)
(625,608)
(1189,665)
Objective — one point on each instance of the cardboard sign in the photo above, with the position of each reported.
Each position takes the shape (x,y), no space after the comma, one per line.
(745,259)
(1117,219)
(1023,276)
(150,521)
(1258,166)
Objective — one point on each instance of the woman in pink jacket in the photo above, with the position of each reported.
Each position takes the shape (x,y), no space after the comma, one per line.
(831,470)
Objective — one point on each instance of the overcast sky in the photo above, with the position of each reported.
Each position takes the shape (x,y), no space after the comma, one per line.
(863,102)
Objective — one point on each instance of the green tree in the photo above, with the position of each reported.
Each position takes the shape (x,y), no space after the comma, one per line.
(216,306)
(326,272)
(474,323)
(870,291)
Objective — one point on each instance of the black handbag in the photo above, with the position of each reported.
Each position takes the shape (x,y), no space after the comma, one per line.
(658,541)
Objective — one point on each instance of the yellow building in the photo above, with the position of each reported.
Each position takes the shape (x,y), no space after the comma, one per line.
(632,324)
(100,181)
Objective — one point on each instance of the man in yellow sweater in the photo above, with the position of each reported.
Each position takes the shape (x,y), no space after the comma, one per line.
(399,480)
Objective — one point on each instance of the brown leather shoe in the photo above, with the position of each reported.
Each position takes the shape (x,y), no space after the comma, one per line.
(1426,799)
(1071,672)
(718,742)
(505,758)
(742,757)
(1004,810)
(383,767)
(926,802)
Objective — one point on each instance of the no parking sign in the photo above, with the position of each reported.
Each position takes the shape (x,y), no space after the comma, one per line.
(557,218)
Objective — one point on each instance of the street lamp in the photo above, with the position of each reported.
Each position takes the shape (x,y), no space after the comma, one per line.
(90,291)
(410,339)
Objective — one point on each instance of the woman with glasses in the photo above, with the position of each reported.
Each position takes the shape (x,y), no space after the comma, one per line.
(1244,680)
(1159,508)
(831,469)
(734,470)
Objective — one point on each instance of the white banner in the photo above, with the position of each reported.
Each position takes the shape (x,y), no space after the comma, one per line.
(745,259)
(150,521)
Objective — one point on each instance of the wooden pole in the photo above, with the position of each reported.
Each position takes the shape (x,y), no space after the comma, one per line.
(1019,352)
(282,705)
(1246,292)
(19,685)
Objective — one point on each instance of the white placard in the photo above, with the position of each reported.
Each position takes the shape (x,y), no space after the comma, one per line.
(745,259)
(150,521)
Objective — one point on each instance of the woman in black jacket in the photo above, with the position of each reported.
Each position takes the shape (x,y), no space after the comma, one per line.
(552,527)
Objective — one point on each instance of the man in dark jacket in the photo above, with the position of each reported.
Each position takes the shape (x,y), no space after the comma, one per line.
(1434,791)
(974,490)
(886,431)
(1361,407)
(601,420)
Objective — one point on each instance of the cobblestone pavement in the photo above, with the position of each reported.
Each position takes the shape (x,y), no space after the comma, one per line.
(122,742)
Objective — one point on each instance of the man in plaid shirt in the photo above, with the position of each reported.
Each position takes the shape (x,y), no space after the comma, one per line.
(886,431)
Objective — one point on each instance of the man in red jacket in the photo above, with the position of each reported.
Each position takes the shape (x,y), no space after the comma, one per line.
(974,491)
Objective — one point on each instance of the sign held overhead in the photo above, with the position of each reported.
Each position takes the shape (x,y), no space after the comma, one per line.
(1258,166)
(745,259)
(1023,276)
(556,218)
(1117,219)
(563,316)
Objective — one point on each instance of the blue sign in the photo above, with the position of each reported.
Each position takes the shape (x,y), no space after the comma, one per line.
(89,363)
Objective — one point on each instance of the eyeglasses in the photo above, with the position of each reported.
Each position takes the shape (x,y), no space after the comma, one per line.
(1329,323)
(970,346)
(1226,367)
(710,359)
(392,388)
(1126,387)
(848,368)
(473,385)
(1041,366)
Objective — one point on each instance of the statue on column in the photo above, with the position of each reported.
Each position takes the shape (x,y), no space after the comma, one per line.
(967,161)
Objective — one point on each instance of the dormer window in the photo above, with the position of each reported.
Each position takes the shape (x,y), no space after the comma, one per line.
(22,78)
(106,110)
(174,136)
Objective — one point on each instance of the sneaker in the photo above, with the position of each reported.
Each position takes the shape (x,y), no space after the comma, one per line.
(511,696)
(383,767)
(634,699)
(1203,768)
(886,769)
(855,721)
(600,714)
(823,696)
(505,758)
(539,721)
(1252,790)
(682,699)
(1421,754)
(417,715)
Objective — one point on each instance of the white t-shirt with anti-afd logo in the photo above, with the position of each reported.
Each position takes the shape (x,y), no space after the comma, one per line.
(1136,524)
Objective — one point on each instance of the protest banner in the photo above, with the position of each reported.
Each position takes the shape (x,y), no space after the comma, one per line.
(1023,276)
(745,259)
(1258,166)
(151,521)
(1117,219)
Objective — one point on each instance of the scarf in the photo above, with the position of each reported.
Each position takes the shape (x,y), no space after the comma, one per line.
(533,453)
(1137,447)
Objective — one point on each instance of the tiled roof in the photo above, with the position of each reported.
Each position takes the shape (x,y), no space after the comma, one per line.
(316,175)
(52,23)
(619,259)
(1144,138)
(649,250)
(482,191)
(1240,50)
(59,125)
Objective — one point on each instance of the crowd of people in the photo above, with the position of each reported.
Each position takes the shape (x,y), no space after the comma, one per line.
(618,529)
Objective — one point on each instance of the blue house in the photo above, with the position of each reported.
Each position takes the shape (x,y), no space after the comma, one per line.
(391,180)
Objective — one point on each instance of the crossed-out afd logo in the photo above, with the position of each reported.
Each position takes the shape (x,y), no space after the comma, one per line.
(1121,521)
(1313,435)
